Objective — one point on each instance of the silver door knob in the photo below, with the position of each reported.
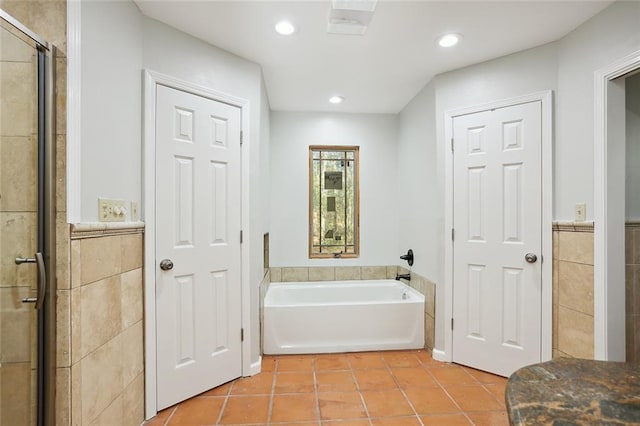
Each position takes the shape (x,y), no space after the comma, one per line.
(166,264)
(530,257)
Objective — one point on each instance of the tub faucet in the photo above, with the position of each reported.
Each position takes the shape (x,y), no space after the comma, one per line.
(403,276)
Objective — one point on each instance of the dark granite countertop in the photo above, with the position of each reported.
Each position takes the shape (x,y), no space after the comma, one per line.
(570,391)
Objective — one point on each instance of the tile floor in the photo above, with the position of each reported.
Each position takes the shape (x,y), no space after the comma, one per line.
(395,388)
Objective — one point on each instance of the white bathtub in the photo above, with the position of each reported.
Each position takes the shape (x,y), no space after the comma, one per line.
(342,316)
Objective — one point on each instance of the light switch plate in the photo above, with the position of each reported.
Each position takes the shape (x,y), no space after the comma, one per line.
(110,210)
(581,212)
(135,215)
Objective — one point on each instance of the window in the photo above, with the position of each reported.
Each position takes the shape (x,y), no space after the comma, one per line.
(333,202)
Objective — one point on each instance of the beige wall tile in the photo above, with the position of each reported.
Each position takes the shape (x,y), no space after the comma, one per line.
(295,274)
(629,284)
(429,331)
(628,245)
(132,253)
(133,402)
(575,333)
(555,281)
(18,232)
(63,396)
(76,394)
(101,313)
(76,325)
(554,325)
(18,102)
(344,273)
(61,95)
(112,415)
(373,272)
(63,328)
(15,405)
(392,271)
(430,299)
(62,252)
(575,288)
(132,356)
(636,246)
(76,264)
(15,325)
(13,48)
(635,288)
(576,247)
(630,338)
(131,300)
(101,379)
(322,274)
(555,246)
(635,321)
(101,258)
(275,274)
(18,163)
(61,171)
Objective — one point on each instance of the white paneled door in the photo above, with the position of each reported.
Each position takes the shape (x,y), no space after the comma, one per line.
(497,274)
(198,295)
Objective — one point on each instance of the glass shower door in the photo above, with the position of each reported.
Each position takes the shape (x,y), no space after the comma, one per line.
(19,227)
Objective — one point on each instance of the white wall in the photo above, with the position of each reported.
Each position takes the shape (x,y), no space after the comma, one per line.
(632,204)
(291,135)
(610,35)
(111,104)
(420,212)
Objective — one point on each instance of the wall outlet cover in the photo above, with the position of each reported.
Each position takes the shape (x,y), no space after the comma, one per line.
(581,212)
(135,215)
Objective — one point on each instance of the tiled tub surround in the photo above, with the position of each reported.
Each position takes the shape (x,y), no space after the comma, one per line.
(632,287)
(573,289)
(345,273)
(100,328)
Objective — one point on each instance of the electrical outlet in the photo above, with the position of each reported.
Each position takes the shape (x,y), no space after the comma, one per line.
(581,212)
(135,216)
(111,210)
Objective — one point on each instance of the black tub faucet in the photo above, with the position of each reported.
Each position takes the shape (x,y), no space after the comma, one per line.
(403,277)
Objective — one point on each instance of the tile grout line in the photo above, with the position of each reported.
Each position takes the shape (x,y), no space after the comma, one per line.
(273,389)
(166,422)
(395,380)
(224,403)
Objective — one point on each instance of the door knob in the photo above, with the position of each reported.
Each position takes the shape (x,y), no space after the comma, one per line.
(166,264)
(530,257)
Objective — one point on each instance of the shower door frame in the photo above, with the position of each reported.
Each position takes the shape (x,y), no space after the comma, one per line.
(46,222)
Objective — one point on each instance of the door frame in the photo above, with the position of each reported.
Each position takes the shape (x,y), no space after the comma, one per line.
(151,80)
(608,232)
(546,99)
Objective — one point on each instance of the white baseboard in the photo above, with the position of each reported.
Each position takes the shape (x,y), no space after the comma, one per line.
(256,367)
(439,355)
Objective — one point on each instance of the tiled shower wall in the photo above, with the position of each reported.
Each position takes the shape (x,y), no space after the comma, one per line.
(632,293)
(573,290)
(343,273)
(100,330)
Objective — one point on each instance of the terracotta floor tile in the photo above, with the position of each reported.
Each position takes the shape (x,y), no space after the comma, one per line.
(490,418)
(335,381)
(162,416)
(316,423)
(332,362)
(484,377)
(474,398)
(401,360)
(497,390)
(366,361)
(259,384)
(294,382)
(445,419)
(268,363)
(397,421)
(293,408)
(374,379)
(416,376)
(245,409)
(222,390)
(197,411)
(346,423)
(386,403)
(341,406)
(431,401)
(453,375)
(295,363)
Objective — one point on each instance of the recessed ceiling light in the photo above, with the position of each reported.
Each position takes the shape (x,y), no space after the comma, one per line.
(285,28)
(449,40)
(336,99)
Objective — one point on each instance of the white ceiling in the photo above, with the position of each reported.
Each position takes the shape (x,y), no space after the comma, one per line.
(381,71)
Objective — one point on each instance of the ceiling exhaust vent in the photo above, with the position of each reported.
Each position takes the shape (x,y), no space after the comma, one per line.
(350,17)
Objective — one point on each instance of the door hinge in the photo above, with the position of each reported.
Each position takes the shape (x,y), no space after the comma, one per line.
(242,334)
(453,234)
(451,323)
(451,144)
(241,237)
(241,137)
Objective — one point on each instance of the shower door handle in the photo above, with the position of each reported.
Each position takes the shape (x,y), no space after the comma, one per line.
(42,279)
